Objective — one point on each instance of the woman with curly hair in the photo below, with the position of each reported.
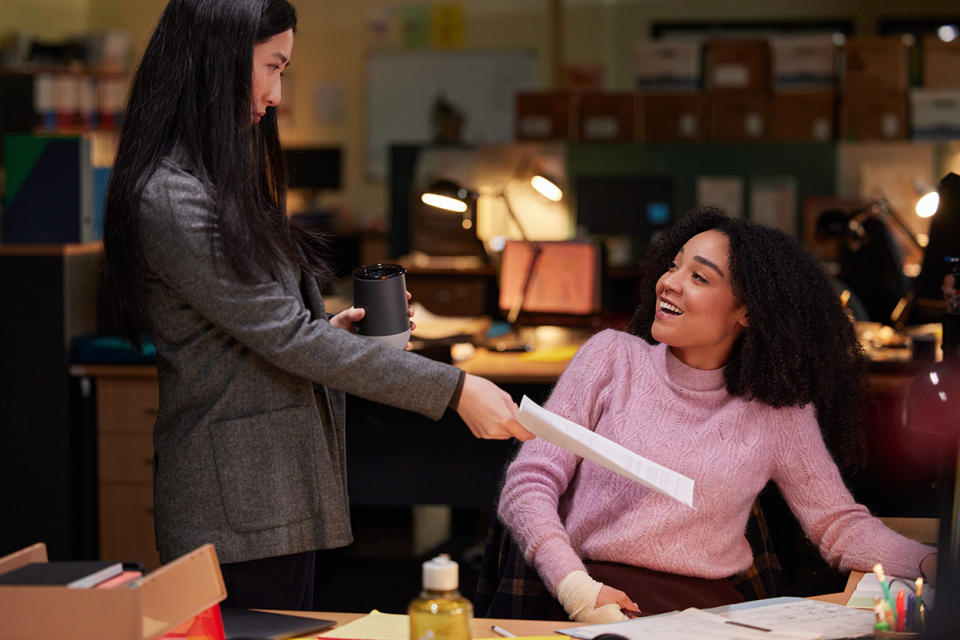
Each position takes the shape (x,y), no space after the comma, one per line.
(738,367)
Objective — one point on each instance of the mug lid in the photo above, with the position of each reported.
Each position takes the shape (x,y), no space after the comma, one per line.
(379,271)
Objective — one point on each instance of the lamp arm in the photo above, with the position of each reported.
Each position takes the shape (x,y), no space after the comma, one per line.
(518,302)
(890,212)
(513,216)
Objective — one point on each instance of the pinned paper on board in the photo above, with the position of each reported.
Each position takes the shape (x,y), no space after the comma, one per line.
(608,454)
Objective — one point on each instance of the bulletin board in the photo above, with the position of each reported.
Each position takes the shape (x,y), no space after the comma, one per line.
(401,87)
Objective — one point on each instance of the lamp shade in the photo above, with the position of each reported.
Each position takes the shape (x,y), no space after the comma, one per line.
(547,187)
(448,195)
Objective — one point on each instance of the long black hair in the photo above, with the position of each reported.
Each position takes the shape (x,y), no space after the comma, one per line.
(799,347)
(192,93)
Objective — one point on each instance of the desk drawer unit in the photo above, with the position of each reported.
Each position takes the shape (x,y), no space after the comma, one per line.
(126,411)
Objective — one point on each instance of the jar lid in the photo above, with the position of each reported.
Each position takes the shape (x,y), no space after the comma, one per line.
(440,573)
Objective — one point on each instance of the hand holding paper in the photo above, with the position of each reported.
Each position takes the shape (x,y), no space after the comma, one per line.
(606,453)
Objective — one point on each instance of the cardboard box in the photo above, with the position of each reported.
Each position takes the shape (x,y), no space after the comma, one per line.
(157,603)
(669,65)
(804,61)
(941,63)
(742,65)
(673,117)
(934,113)
(873,115)
(872,64)
(738,116)
(611,117)
(803,116)
(547,115)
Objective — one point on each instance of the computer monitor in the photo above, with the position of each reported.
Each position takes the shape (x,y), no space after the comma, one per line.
(632,204)
(314,167)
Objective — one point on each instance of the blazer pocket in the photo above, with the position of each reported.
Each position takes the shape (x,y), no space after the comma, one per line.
(267,469)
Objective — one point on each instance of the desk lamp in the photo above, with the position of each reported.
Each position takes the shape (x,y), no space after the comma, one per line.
(451,196)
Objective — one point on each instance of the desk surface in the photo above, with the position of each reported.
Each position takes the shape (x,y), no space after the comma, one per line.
(480,627)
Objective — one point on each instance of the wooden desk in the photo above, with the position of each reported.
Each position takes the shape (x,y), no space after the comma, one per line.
(513,367)
(481,627)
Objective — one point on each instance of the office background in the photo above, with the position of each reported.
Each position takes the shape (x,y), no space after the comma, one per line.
(326,105)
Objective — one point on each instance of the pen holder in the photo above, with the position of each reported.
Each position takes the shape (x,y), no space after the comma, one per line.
(381,289)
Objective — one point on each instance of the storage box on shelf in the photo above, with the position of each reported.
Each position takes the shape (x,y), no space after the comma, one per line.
(941,63)
(611,116)
(674,117)
(935,113)
(547,115)
(803,62)
(802,116)
(669,65)
(872,64)
(738,116)
(741,65)
(873,115)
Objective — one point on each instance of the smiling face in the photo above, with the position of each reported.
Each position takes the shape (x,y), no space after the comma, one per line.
(698,315)
(270,58)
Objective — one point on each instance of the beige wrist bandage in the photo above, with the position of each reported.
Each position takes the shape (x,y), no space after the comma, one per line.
(577,593)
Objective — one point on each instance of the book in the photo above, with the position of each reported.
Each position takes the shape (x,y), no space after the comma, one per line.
(73,575)
(124,578)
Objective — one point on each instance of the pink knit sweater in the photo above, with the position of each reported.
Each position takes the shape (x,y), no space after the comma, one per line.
(644,398)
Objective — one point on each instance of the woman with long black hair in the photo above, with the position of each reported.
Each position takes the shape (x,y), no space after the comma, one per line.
(249,438)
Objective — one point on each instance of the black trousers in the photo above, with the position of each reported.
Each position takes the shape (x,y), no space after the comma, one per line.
(279,582)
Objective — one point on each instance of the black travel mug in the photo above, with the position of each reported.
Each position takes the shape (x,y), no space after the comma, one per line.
(381,290)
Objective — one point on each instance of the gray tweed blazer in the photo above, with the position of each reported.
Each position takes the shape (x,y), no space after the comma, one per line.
(250,437)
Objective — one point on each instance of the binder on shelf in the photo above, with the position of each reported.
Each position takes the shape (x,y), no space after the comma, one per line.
(152,605)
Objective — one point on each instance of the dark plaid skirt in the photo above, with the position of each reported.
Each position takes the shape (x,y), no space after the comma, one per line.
(509,588)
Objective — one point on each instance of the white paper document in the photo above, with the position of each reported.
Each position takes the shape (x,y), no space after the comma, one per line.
(774,618)
(606,453)
(693,624)
(803,615)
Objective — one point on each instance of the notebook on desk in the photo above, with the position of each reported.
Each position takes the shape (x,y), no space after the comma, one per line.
(244,624)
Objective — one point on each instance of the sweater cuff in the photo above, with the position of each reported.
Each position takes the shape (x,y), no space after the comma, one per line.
(455,398)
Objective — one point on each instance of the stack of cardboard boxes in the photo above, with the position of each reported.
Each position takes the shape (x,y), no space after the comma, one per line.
(787,88)
(804,98)
(737,82)
(875,83)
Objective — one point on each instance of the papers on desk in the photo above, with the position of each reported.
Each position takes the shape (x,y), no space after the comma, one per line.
(869,586)
(606,453)
(373,626)
(773,619)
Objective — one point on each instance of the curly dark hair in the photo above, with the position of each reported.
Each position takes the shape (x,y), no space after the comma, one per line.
(800,346)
